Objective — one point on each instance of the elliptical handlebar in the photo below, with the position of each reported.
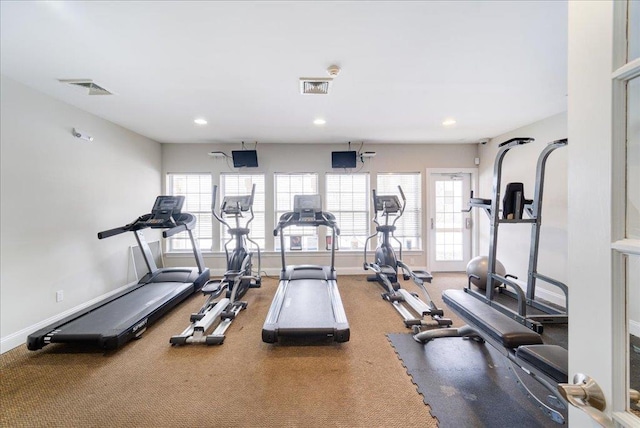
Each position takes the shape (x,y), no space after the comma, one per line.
(517,141)
(404,205)
(253,193)
(220,217)
(404,199)
(375,212)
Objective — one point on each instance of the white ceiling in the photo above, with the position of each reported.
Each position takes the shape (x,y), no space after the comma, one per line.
(406,66)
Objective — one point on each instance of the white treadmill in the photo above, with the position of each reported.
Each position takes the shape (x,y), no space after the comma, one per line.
(307,302)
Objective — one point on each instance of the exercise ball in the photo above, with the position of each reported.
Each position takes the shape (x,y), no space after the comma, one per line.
(479,266)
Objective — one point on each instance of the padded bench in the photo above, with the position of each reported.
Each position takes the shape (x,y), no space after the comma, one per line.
(552,360)
(548,364)
(489,321)
(525,344)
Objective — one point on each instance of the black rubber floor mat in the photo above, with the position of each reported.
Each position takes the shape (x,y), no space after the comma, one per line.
(467,384)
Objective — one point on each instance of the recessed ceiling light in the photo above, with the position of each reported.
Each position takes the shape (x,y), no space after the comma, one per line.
(200,121)
(449,122)
(319,122)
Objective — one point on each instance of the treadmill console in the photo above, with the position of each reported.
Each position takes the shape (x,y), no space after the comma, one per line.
(165,208)
(307,207)
(387,203)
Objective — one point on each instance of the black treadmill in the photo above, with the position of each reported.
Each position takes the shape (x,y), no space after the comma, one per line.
(307,302)
(117,319)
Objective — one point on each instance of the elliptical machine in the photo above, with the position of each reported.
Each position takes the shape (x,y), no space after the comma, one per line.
(386,268)
(385,255)
(238,278)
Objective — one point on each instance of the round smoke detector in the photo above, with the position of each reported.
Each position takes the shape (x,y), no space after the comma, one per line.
(333,70)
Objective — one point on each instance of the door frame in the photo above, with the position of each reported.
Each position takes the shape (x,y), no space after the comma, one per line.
(597,140)
(473,172)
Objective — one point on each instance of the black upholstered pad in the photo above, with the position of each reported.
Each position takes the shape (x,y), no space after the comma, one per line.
(553,360)
(487,319)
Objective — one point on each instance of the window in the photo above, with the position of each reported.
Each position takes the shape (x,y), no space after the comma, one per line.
(408,228)
(625,219)
(241,184)
(348,199)
(196,188)
(286,186)
(449,219)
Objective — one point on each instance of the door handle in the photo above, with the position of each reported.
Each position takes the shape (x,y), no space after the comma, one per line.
(431,222)
(634,397)
(586,395)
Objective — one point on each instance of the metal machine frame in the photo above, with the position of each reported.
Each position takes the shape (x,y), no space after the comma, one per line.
(533,208)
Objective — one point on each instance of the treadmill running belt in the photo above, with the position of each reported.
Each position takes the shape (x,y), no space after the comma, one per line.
(302,296)
(122,313)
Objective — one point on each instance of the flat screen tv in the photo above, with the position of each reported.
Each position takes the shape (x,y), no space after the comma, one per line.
(248,158)
(343,159)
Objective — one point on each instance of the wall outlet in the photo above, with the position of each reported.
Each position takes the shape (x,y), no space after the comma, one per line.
(59,295)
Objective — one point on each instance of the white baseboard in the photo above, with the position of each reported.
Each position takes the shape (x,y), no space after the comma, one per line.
(16,339)
(542,293)
(555,298)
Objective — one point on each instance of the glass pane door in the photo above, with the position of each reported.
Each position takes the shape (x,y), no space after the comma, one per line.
(450,227)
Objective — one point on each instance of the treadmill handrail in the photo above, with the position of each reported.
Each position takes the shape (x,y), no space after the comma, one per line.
(177,224)
(174,230)
(137,224)
(292,218)
(112,232)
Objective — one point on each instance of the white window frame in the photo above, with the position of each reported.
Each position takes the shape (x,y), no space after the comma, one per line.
(621,245)
(257,226)
(283,202)
(345,201)
(198,203)
(387,183)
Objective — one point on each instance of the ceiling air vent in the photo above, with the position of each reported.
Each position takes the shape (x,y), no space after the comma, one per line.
(94,88)
(315,86)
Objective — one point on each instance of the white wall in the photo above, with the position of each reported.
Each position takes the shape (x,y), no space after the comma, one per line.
(519,165)
(57,193)
(272,158)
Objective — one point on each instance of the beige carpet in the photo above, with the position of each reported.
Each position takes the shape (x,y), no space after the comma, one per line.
(243,383)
